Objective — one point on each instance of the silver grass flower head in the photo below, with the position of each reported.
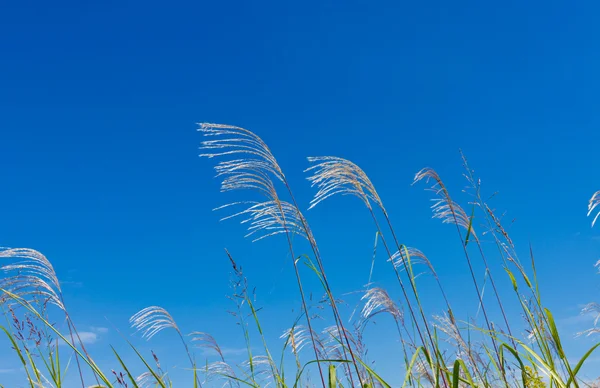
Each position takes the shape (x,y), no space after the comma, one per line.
(594,309)
(297,337)
(263,369)
(206,341)
(151,321)
(594,202)
(332,342)
(400,259)
(147,380)
(422,370)
(333,175)
(34,276)
(588,332)
(449,327)
(266,219)
(252,170)
(444,208)
(378,301)
(223,371)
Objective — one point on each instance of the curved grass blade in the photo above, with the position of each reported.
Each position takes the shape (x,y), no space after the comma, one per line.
(313,362)
(580,363)
(412,364)
(152,372)
(14,344)
(133,382)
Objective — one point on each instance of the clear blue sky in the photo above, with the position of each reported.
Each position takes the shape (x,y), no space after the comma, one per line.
(99,149)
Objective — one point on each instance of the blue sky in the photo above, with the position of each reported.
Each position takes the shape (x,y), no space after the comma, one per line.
(99,149)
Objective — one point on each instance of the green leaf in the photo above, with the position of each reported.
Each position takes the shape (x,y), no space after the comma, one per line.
(512,279)
(554,333)
(332,376)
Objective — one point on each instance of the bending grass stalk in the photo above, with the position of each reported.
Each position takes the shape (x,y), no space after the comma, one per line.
(445,195)
(333,175)
(297,381)
(409,272)
(336,314)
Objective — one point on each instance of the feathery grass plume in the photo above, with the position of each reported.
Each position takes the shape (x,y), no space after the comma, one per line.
(422,372)
(206,341)
(378,301)
(594,202)
(261,368)
(448,211)
(447,325)
(333,175)
(154,319)
(151,321)
(416,258)
(232,140)
(400,258)
(334,344)
(444,208)
(592,309)
(220,370)
(33,276)
(253,172)
(34,279)
(297,337)
(269,218)
(147,380)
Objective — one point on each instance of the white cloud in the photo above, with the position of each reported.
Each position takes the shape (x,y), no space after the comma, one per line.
(7,371)
(101,330)
(87,337)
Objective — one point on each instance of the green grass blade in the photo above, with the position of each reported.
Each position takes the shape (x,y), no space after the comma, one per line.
(580,363)
(16,347)
(131,378)
(158,379)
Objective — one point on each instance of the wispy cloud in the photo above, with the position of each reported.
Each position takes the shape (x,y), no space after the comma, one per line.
(7,371)
(100,330)
(87,337)
(577,320)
